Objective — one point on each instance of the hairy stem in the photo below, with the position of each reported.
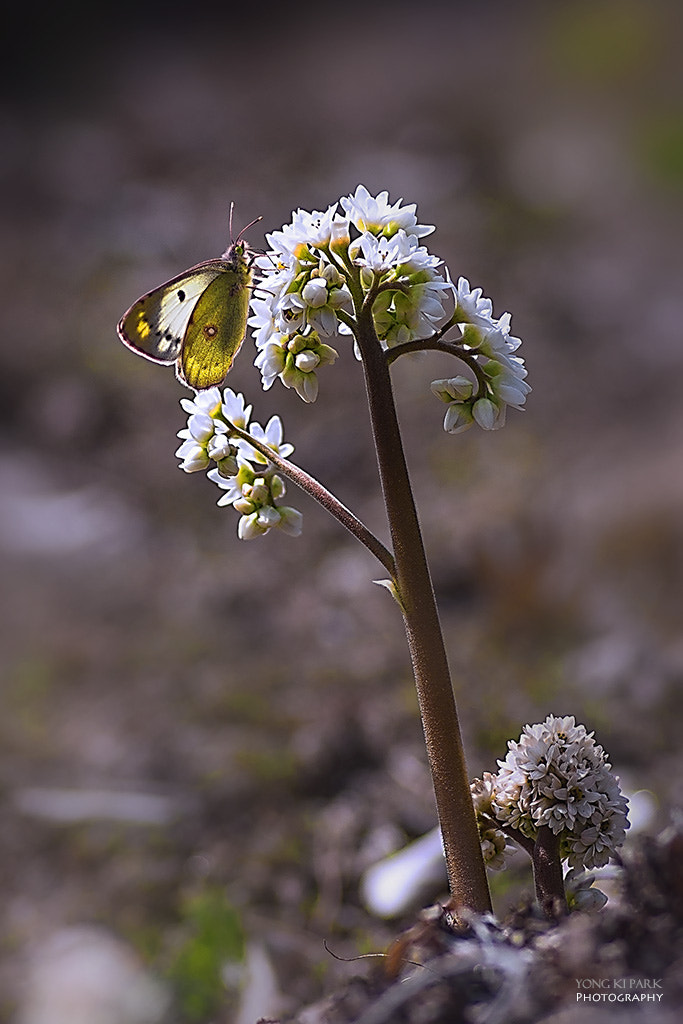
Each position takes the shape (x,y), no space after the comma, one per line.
(548,874)
(324,497)
(466,872)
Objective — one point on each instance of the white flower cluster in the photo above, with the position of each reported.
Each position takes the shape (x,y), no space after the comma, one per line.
(316,276)
(319,272)
(500,375)
(558,776)
(250,482)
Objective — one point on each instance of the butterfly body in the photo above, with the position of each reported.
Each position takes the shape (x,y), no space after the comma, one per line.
(196,320)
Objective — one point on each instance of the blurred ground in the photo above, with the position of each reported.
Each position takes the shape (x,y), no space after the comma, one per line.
(184,716)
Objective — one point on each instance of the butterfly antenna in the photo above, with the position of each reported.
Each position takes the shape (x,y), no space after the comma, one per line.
(249,225)
(232,207)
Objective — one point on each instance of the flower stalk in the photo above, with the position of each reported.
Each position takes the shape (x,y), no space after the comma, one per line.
(464,863)
(324,498)
(548,878)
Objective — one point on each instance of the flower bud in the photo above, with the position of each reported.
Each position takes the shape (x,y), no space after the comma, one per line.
(314,293)
(458,388)
(248,527)
(339,235)
(485,413)
(458,418)
(194,457)
(307,361)
(200,426)
(219,447)
(291,521)
(260,492)
(228,467)
(268,517)
(277,486)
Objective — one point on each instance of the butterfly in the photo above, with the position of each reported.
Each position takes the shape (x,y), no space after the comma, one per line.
(196,320)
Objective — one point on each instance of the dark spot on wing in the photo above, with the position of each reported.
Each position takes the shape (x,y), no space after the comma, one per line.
(181,295)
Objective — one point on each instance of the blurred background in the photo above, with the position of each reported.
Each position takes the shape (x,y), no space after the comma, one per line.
(204,743)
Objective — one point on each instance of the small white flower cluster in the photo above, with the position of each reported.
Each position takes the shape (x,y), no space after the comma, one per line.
(494,845)
(250,482)
(557,776)
(316,276)
(500,375)
(322,267)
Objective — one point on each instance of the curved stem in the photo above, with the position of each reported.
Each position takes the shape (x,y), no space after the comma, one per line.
(465,865)
(324,497)
(433,344)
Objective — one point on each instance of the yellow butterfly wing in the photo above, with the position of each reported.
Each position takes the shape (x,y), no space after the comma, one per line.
(155,325)
(196,320)
(216,329)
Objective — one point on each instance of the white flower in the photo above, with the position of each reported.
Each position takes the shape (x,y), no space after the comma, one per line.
(254,497)
(272,436)
(206,438)
(483,791)
(194,456)
(307,229)
(507,381)
(473,307)
(381,254)
(200,427)
(373,213)
(310,290)
(315,305)
(494,848)
(400,251)
(271,359)
(307,361)
(231,485)
(234,409)
(219,447)
(207,402)
(314,293)
(249,528)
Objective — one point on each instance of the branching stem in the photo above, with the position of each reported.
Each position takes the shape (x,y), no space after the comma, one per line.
(324,497)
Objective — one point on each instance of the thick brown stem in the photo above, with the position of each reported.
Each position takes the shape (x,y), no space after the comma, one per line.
(466,871)
(548,874)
